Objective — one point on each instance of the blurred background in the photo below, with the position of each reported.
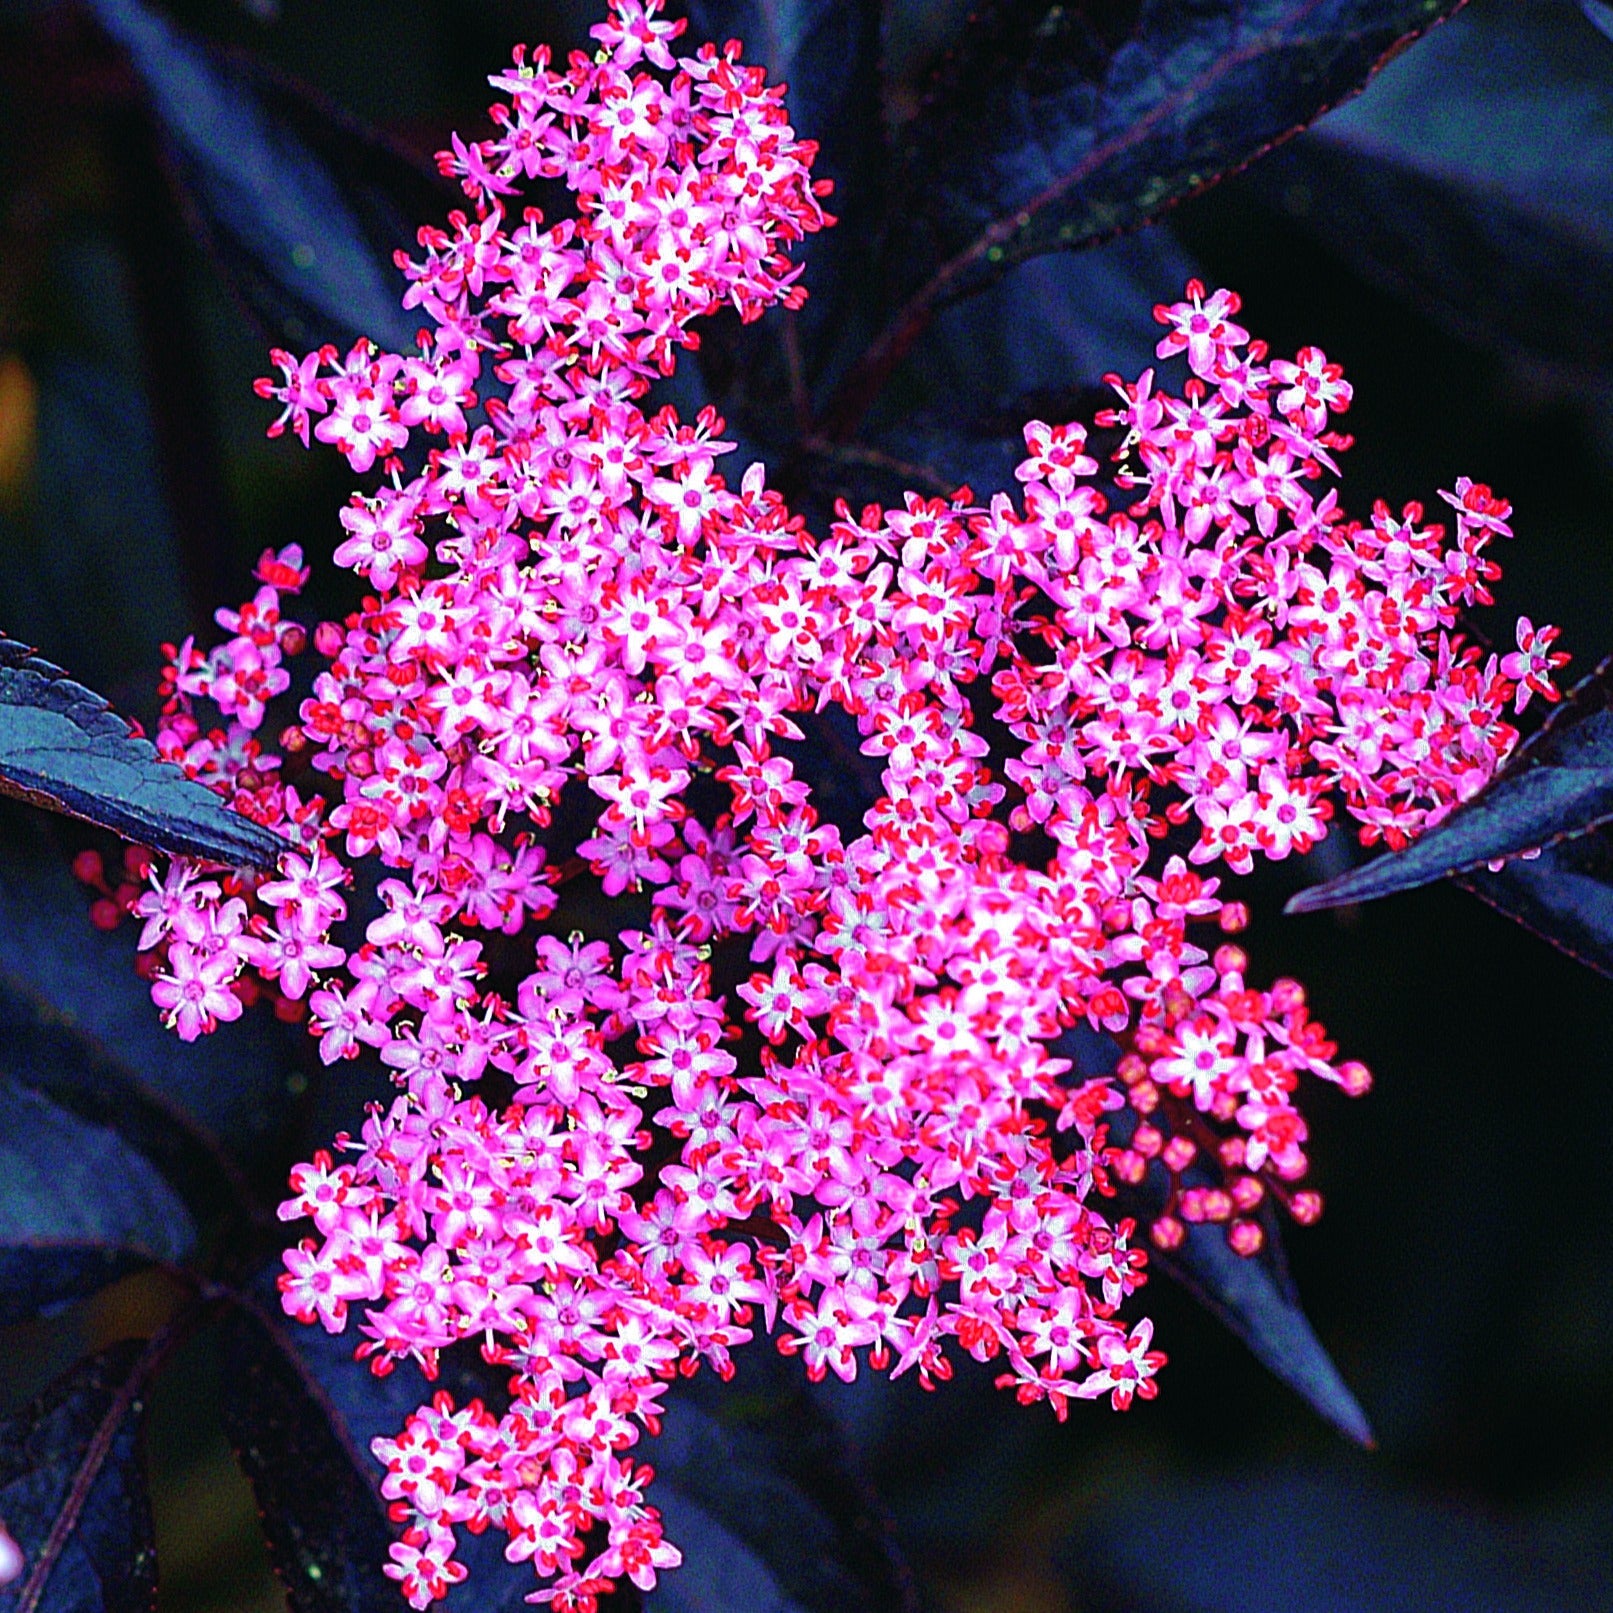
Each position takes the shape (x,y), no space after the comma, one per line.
(1448,238)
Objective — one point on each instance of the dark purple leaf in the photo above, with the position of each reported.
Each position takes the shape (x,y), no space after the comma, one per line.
(1559,783)
(1255,1298)
(68,1180)
(320,1499)
(1047,128)
(38,1278)
(303,207)
(769,376)
(72,1493)
(91,1123)
(1444,185)
(1565,895)
(63,748)
(71,1002)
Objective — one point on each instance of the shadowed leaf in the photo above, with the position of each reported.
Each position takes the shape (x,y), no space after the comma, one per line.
(1560,783)
(1049,127)
(73,1009)
(1444,185)
(1255,1299)
(1565,895)
(320,1500)
(93,1123)
(66,1179)
(302,207)
(63,748)
(768,376)
(38,1277)
(73,1496)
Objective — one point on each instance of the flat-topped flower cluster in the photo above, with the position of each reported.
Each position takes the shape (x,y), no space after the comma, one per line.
(605,1167)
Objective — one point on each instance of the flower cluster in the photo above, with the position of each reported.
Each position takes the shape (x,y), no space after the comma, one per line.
(602,1163)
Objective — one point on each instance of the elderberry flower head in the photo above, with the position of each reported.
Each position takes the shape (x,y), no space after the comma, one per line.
(585,639)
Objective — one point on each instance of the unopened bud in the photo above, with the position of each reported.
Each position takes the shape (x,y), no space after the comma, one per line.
(1245,1238)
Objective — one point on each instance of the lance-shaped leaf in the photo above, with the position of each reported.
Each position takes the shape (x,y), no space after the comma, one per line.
(1253,1296)
(302,207)
(79,1207)
(72,1493)
(63,748)
(1558,784)
(1444,185)
(320,1499)
(1050,127)
(1565,895)
(91,1155)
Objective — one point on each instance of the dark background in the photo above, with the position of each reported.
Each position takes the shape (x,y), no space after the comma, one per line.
(1446,238)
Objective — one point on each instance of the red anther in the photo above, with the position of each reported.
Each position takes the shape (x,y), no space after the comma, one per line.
(1246,1238)
(1306,1207)
(1167,1233)
(1179,1154)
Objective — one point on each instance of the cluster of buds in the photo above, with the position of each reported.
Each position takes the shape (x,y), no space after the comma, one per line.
(815,1087)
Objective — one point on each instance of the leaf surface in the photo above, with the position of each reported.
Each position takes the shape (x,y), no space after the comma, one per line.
(322,1513)
(1558,784)
(73,1496)
(1051,127)
(69,1180)
(38,1277)
(1445,185)
(302,207)
(1565,895)
(63,748)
